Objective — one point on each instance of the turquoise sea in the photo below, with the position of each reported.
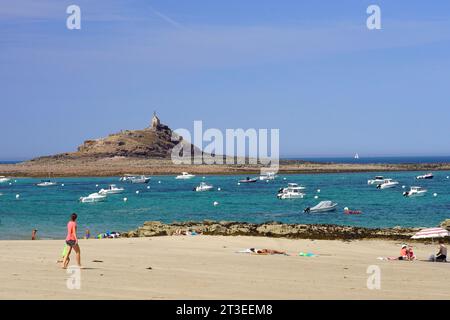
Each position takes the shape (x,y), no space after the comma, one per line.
(168,200)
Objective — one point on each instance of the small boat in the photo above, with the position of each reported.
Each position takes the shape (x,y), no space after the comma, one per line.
(127,177)
(292,191)
(378,180)
(112,189)
(323,206)
(268,176)
(348,211)
(203,187)
(185,176)
(139,180)
(93,197)
(135,179)
(388,183)
(415,192)
(248,180)
(46,183)
(425,176)
(356,156)
(4,179)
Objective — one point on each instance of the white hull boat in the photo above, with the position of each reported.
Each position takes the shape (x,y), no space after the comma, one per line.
(293,191)
(4,179)
(387,184)
(93,197)
(378,180)
(203,187)
(112,189)
(140,180)
(185,176)
(323,206)
(46,183)
(425,176)
(415,192)
(268,176)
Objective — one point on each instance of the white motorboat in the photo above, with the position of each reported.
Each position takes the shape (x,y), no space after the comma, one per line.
(112,189)
(46,183)
(378,180)
(185,176)
(292,191)
(139,180)
(203,187)
(93,197)
(135,179)
(248,180)
(268,176)
(415,192)
(425,176)
(4,179)
(127,177)
(388,183)
(323,206)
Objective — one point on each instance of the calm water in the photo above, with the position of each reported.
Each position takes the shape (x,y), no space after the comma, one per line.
(47,209)
(381,160)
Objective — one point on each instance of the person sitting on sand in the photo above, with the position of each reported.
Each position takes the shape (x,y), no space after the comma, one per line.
(411,255)
(72,241)
(404,253)
(441,256)
(266,251)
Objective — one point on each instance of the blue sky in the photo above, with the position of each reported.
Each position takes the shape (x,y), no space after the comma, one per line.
(310,68)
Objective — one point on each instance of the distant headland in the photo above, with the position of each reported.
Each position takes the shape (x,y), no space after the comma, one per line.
(148,151)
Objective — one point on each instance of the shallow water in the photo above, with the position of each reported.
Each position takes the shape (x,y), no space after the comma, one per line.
(47,209)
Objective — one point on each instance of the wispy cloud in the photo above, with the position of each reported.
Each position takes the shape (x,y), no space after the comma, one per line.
(166,18)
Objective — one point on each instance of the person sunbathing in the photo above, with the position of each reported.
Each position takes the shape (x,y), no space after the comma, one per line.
(441,256)
(266,251)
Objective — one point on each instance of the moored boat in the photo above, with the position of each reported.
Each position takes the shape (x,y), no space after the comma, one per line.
(292,191)
(185,176)
(387,184)
(203,187)
(377,180)
(323,206)
(415,192)
(4,179)
(93,197)
(248,180)
(112,189)
(46,183)
(425,176)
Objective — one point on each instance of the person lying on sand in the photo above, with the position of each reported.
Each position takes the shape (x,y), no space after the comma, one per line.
(263,251)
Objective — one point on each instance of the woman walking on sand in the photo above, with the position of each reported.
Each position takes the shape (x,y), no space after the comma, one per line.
(72,241)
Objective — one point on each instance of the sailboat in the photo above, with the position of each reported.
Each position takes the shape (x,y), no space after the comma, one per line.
(356,156)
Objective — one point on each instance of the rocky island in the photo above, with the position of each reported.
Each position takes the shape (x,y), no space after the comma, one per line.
(148,151)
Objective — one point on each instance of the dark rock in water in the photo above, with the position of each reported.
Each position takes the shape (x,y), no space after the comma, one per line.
(272,229)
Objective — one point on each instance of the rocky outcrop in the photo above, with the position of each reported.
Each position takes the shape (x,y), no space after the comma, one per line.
(271,229)
(154,142)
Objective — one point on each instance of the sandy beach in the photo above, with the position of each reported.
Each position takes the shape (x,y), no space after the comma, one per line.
(208,267)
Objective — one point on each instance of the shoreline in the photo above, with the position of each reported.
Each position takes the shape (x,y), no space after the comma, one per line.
(111,167)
